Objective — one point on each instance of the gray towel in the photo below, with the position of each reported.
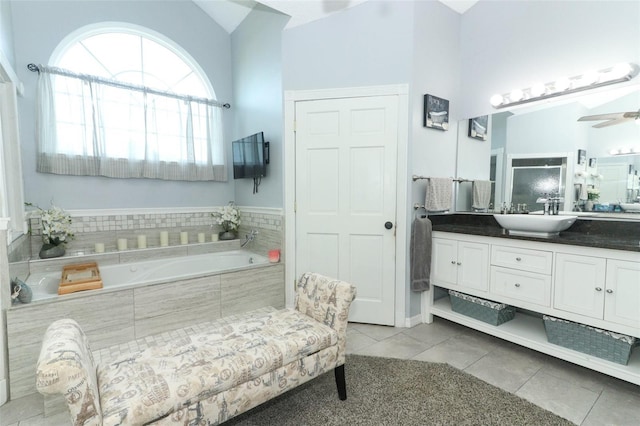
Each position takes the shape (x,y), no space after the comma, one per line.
(420,254)
(481,194)
(438,196)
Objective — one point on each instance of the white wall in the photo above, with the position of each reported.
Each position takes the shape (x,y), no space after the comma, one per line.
(512,44)
(6,33)
(257,99)
(39,26)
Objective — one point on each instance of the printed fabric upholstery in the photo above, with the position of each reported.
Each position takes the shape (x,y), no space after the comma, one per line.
(66,367)
(327,300)
(163,379)
(204,378)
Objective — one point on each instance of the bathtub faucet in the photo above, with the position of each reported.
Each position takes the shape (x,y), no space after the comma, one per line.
(249,237)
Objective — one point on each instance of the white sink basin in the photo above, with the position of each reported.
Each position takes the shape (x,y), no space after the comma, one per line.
(535,225)
(630,207)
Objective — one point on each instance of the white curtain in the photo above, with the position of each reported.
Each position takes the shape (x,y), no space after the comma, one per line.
(95,127)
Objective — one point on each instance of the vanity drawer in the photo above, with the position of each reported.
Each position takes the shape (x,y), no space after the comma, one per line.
(539,261)
(520,285)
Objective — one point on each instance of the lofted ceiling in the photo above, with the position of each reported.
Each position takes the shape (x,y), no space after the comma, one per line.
(230,13)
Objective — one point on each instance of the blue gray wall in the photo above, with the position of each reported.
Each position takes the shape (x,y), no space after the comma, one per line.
(39,26)
(256,56)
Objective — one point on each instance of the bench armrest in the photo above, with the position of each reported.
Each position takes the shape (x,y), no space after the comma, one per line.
(326,300)
(66,367)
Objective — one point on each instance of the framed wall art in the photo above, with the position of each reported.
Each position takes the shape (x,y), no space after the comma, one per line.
(582,156)
(478,127)
(436,113)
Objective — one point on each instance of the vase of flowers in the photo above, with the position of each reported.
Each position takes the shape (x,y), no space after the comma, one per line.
(228,217)
(593,194)
(56,231)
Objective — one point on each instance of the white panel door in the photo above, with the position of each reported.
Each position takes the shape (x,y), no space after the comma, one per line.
(346,153)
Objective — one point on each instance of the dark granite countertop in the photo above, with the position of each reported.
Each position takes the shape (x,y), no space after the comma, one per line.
(609,234)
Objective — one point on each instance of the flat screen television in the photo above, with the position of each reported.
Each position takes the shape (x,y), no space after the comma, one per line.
(250,157)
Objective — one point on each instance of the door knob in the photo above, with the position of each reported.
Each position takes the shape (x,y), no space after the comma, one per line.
(388,225)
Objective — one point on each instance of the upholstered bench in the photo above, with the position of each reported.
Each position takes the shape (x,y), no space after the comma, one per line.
(204,378)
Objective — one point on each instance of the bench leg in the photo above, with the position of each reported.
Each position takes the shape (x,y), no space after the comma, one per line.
(341,382)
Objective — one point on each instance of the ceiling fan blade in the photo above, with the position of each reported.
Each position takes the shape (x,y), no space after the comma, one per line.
(613,122)
(612,116)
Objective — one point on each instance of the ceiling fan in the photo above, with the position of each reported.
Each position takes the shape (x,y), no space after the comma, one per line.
(611,119)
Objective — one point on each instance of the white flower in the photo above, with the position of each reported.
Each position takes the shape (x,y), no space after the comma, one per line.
(228,217)
(56,225)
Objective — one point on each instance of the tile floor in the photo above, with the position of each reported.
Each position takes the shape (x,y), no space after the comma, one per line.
(585,397)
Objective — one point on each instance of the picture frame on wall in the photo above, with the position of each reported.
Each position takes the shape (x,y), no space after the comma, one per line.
(436,112)
(478,127)
(582,156)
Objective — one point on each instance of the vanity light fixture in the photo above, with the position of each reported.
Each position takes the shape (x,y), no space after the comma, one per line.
(589,80)
(625,151)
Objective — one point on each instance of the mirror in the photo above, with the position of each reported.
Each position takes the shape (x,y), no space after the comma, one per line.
(532,152)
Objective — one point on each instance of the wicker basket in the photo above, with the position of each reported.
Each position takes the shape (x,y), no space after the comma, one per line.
(481,309)
(600,343)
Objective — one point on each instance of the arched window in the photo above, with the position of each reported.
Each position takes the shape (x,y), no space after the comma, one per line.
(127,103)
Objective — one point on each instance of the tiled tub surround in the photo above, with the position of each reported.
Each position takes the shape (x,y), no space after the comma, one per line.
(107,229)
(115,317)
(128,275)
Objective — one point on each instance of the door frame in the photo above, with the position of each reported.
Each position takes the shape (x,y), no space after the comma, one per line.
(402,173)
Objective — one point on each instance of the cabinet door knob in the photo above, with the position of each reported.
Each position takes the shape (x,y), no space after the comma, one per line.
(458,263)
(453,262)
(517,285)
(598,288)
(518,259)
(609,291)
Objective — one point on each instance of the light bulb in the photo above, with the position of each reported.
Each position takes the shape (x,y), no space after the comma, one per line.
(538,89)
(618,71)
(587,79)
(516,95)
(496,100)
(561,84)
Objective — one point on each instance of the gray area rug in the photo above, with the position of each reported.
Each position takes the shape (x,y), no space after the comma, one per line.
(384,391)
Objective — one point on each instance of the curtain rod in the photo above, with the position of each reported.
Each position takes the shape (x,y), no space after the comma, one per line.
(86,77)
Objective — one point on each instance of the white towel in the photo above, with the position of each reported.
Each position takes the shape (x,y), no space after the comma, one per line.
(438,196)
(583,192)
(481,194)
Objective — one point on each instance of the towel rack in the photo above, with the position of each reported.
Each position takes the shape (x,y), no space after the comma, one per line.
(417,207)
(416,177)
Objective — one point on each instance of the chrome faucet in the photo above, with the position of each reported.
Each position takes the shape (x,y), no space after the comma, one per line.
(249,237)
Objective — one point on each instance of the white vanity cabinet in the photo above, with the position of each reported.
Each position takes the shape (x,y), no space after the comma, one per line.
(460,264)
(601,288)
(580,284)
(622,293)
(591,286)
(522,276)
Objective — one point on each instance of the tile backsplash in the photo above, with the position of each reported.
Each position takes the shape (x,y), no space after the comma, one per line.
(107,229)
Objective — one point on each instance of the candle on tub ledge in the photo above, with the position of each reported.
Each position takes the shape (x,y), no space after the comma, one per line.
(142,241)
(164,238)
(214,238)
(99,248)
(274,256)
(184,237)
(201,237)
(122,244)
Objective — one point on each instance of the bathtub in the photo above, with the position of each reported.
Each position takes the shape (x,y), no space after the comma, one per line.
(127,275)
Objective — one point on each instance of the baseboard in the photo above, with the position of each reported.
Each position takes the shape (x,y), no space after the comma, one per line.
(413,321)
(3,391)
